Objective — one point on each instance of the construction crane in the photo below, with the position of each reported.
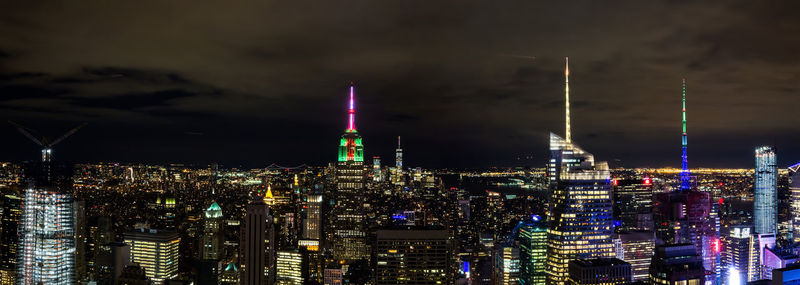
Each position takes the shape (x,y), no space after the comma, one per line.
(46,144)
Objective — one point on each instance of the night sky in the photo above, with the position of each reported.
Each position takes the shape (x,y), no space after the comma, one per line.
(466,84)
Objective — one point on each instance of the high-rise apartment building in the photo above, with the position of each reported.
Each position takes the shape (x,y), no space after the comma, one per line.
(348,225)
(156,252)
(765,206)
(580,207)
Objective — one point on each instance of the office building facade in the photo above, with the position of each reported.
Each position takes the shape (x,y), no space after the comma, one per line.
(156,252)
(533,252)
(413,256)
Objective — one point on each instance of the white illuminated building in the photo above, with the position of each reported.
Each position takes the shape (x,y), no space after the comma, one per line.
(47,243)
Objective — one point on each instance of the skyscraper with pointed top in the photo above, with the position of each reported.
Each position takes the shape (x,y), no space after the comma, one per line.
(349,241)
(398,155)
(580,207)
(685,215)
(685,179)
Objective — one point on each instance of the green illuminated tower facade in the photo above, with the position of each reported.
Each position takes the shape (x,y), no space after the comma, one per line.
(349,238)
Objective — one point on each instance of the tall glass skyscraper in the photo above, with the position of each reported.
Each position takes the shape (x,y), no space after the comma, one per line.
(47,238)
(765,207)
(47,229)
(580,209)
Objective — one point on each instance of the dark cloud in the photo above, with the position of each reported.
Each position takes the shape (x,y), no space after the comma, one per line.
(466,83)
(133,101)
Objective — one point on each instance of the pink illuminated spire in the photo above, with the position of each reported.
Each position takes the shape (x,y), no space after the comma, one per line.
(351,127)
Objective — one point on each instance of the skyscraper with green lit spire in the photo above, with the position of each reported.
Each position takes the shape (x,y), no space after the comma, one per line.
(347,214)
(212,234)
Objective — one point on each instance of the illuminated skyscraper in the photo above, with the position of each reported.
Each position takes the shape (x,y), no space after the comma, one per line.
(765,206)
(46,248)
(47,238)
(212,235)
(349,237)
(377,175)
(794,188)
(398,155)
(156,251)
(580,207)
(533,252)
(685,215)
(312,225)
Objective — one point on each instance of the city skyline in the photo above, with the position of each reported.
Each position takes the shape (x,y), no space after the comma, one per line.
(454,104)
(382,143)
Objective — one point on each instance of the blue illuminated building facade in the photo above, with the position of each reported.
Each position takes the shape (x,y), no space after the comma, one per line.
(765,207)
